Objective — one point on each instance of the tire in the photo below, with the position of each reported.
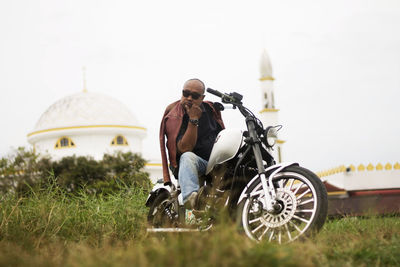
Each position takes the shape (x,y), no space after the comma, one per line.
(304,207)
(162,211)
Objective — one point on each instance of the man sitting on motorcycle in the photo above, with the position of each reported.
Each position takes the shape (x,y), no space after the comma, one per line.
(191,126)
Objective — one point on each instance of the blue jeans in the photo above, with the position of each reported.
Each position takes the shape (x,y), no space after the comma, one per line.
(191,167)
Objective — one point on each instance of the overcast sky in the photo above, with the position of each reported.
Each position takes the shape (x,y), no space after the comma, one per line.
(336,65)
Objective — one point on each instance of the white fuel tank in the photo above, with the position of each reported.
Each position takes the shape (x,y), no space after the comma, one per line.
(226,146)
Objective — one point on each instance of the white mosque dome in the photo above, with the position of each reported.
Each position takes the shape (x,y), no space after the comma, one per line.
(84,109)
(87,124)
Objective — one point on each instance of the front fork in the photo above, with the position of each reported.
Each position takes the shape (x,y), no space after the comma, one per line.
(268,187)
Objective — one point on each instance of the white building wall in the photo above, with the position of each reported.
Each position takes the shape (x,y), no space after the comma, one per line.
(269,118)
(365,180)
(155,171)
(94,142)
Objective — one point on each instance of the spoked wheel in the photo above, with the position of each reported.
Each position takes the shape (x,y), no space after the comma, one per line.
(163,212)
(302,208)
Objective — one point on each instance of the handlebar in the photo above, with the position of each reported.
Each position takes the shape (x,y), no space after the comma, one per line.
(236,100)
(232,98)
(215,92)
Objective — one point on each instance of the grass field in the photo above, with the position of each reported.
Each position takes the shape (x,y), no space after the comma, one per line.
(51,228)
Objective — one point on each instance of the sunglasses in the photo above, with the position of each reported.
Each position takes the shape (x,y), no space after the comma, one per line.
(194,95)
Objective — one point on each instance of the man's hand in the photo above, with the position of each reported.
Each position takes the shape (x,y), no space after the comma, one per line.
(189,138)
(194,111)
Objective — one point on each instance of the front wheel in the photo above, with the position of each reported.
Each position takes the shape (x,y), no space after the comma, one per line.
(303,203)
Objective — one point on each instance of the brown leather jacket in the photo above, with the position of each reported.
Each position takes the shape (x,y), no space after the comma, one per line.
(170,126)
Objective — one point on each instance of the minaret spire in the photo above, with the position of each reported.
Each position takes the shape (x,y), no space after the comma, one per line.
(269,113)
(84,79)
(265,67)
(267,81)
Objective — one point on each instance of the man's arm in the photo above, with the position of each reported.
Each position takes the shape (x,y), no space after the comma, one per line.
(189,138)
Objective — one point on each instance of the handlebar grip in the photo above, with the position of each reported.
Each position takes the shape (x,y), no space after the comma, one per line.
(215,92)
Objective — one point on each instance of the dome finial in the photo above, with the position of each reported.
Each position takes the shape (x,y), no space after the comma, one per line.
(84,79)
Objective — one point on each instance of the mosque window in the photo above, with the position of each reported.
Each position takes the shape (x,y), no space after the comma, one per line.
(266,100)
(64,142)
(119,140)
(273,100)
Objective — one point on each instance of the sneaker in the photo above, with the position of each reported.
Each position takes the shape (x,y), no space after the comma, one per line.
(190,218)
(191,201)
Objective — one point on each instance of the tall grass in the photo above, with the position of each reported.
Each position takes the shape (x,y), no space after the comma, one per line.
(52,228)
(362,241)
(55,215)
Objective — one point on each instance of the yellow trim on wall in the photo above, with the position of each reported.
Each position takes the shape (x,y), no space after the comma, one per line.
(280,141)
(396,166)
(379,167)
(87,126)
(370,167)
(269,110)
(352,168)
(360,168)
(339,169)
(153,164)
(267,78)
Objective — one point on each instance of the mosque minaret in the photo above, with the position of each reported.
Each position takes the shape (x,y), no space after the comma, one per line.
(269,112)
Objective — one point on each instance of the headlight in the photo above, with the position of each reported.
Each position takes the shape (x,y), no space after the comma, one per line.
(271,135)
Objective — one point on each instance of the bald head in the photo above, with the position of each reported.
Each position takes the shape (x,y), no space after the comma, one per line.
(192,93)
(195,83)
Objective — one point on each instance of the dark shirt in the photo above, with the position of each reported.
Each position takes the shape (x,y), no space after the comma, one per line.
(206,133)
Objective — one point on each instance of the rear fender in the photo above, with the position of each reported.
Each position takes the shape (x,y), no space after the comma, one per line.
(270,173)
(155,191)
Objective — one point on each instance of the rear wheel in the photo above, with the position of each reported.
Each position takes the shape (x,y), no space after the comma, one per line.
(303,207)
(163,211)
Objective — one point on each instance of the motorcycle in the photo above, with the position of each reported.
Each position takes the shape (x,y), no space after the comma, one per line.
(278,202)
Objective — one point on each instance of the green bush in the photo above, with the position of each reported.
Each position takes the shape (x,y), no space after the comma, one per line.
(25,171)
